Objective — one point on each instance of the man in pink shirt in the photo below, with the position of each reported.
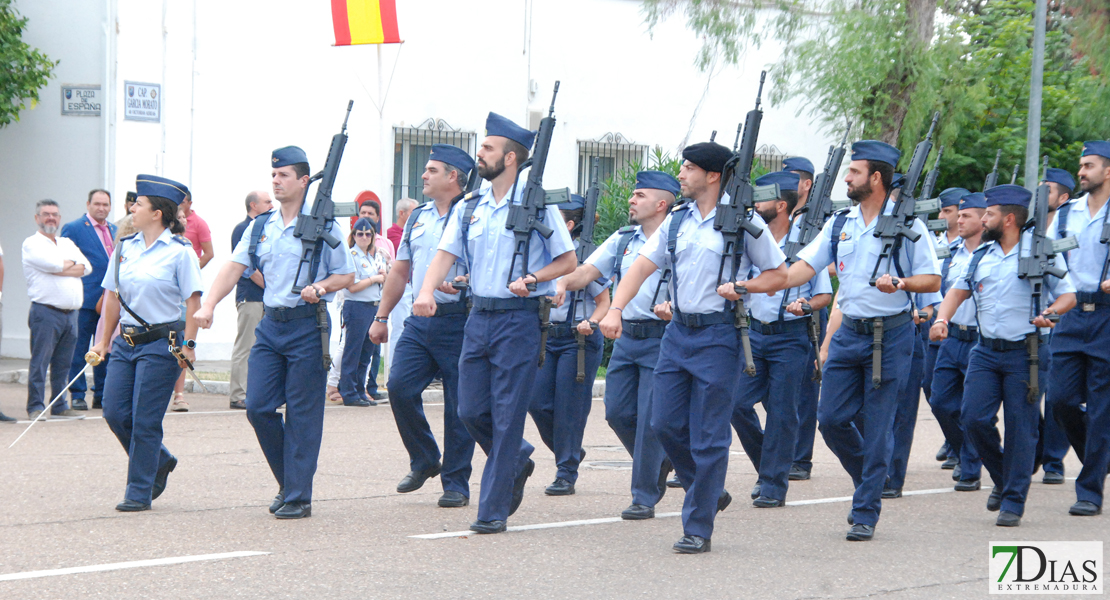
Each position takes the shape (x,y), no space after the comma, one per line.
(197,232)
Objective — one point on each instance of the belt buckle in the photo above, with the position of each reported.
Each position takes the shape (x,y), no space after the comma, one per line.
(1088,306)
(127,338)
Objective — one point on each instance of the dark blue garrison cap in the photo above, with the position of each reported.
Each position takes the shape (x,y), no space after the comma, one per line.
(973,200)
(710,156)
(797,163)
(896,179)
(1061,177)
(289,155)
(876,151)
(1008,195)
(153,185)
(574,203)
(952,196)
(657,180)
(787,180)
(1096,148)
(500,126)
(452,155)
(362,223)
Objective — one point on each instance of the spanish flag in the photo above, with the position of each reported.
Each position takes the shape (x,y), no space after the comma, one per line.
(365,22)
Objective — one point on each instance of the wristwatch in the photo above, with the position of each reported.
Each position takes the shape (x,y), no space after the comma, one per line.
(189,344)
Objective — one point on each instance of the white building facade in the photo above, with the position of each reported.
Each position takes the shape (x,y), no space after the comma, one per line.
(234,79)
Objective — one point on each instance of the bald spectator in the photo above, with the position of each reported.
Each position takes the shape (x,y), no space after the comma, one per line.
(404,210)
(248,303)
(53,267)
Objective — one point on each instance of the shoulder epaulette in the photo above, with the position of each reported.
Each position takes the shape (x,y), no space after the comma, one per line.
(468,196)
(184,241)
(680,206)
(627,229)
(127,237)
(842,211)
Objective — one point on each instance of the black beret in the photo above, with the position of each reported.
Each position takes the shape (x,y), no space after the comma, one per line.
(710,156)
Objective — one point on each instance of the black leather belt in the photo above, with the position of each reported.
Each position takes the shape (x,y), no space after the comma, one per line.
(137,334)
(497,304)
(777,327)
(697,321)
(1003,345)
(867,326)
(304,311)
(1091,301)
(366,302)
(964,333)
(444,309)
(61,310)
(643,329)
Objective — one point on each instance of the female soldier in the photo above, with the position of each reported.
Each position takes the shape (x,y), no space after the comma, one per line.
(359,307)
(560,403)
(151,273)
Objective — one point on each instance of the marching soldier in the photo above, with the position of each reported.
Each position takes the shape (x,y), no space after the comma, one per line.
(696,375)
(629,378)
(848,393)
(1081,356)
(430,345)
(151,273)
(949,378)
(998,372)
(497,366)
(780,345)
(286,362)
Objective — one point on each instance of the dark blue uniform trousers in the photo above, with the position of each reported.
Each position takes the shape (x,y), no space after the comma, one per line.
(905,417)
(1081,373)
(807,407)
(53,336)
(286,367)
(947,401)
(1054,441)
(629,389)
(431,345)
(560,405)
(695,381)
(847,395)
(138,388)
(1001,379)
(87,318)
(358,350)
(497,368)
(779,359)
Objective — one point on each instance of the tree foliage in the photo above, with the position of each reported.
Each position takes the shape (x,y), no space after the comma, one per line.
(25,69)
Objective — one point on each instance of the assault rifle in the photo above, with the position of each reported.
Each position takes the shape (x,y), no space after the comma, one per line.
(1013,177)
(1033,269)
(586,247)
(314,229)
(526,217)
(734,207)
(992,177)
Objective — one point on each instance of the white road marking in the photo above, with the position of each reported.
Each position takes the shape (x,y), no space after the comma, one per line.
(135,564)
(585,522)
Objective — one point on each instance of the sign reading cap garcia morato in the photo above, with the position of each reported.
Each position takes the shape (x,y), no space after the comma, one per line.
(142,101)
(1045,568)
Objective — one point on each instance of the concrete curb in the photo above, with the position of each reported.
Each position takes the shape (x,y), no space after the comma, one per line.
(223,387)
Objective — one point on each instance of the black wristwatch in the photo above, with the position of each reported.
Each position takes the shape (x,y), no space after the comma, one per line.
(191,344)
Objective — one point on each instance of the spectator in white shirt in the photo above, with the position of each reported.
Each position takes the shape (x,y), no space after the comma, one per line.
(53,267)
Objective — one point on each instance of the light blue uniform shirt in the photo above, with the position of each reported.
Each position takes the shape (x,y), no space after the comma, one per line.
(965,315)
(857,253)
(490,246)
(605,259)
(766,308)
(584,307)
(366,265)
(1085,262)
(1004,301)
(154,281)
(427,231)
(279,253)
(699,249)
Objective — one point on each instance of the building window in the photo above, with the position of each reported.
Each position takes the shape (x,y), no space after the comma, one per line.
(614,153)
(413,146)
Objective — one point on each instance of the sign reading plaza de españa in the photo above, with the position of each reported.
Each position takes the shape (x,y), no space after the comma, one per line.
(142,101)
(81,100)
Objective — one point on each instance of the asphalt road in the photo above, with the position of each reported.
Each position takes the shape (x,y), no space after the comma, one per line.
(64,478)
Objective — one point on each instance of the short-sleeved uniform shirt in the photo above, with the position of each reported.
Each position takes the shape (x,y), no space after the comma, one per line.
(766,308)
(610,265)
(367,264)
(153,281)
(423,243)
(1085,262)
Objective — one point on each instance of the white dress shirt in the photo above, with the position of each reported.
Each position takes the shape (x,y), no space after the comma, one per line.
(43,260)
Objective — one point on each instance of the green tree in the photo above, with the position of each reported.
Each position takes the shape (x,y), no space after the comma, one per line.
(25,69)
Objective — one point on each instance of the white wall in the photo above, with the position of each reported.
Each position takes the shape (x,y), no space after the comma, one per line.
(266,75)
